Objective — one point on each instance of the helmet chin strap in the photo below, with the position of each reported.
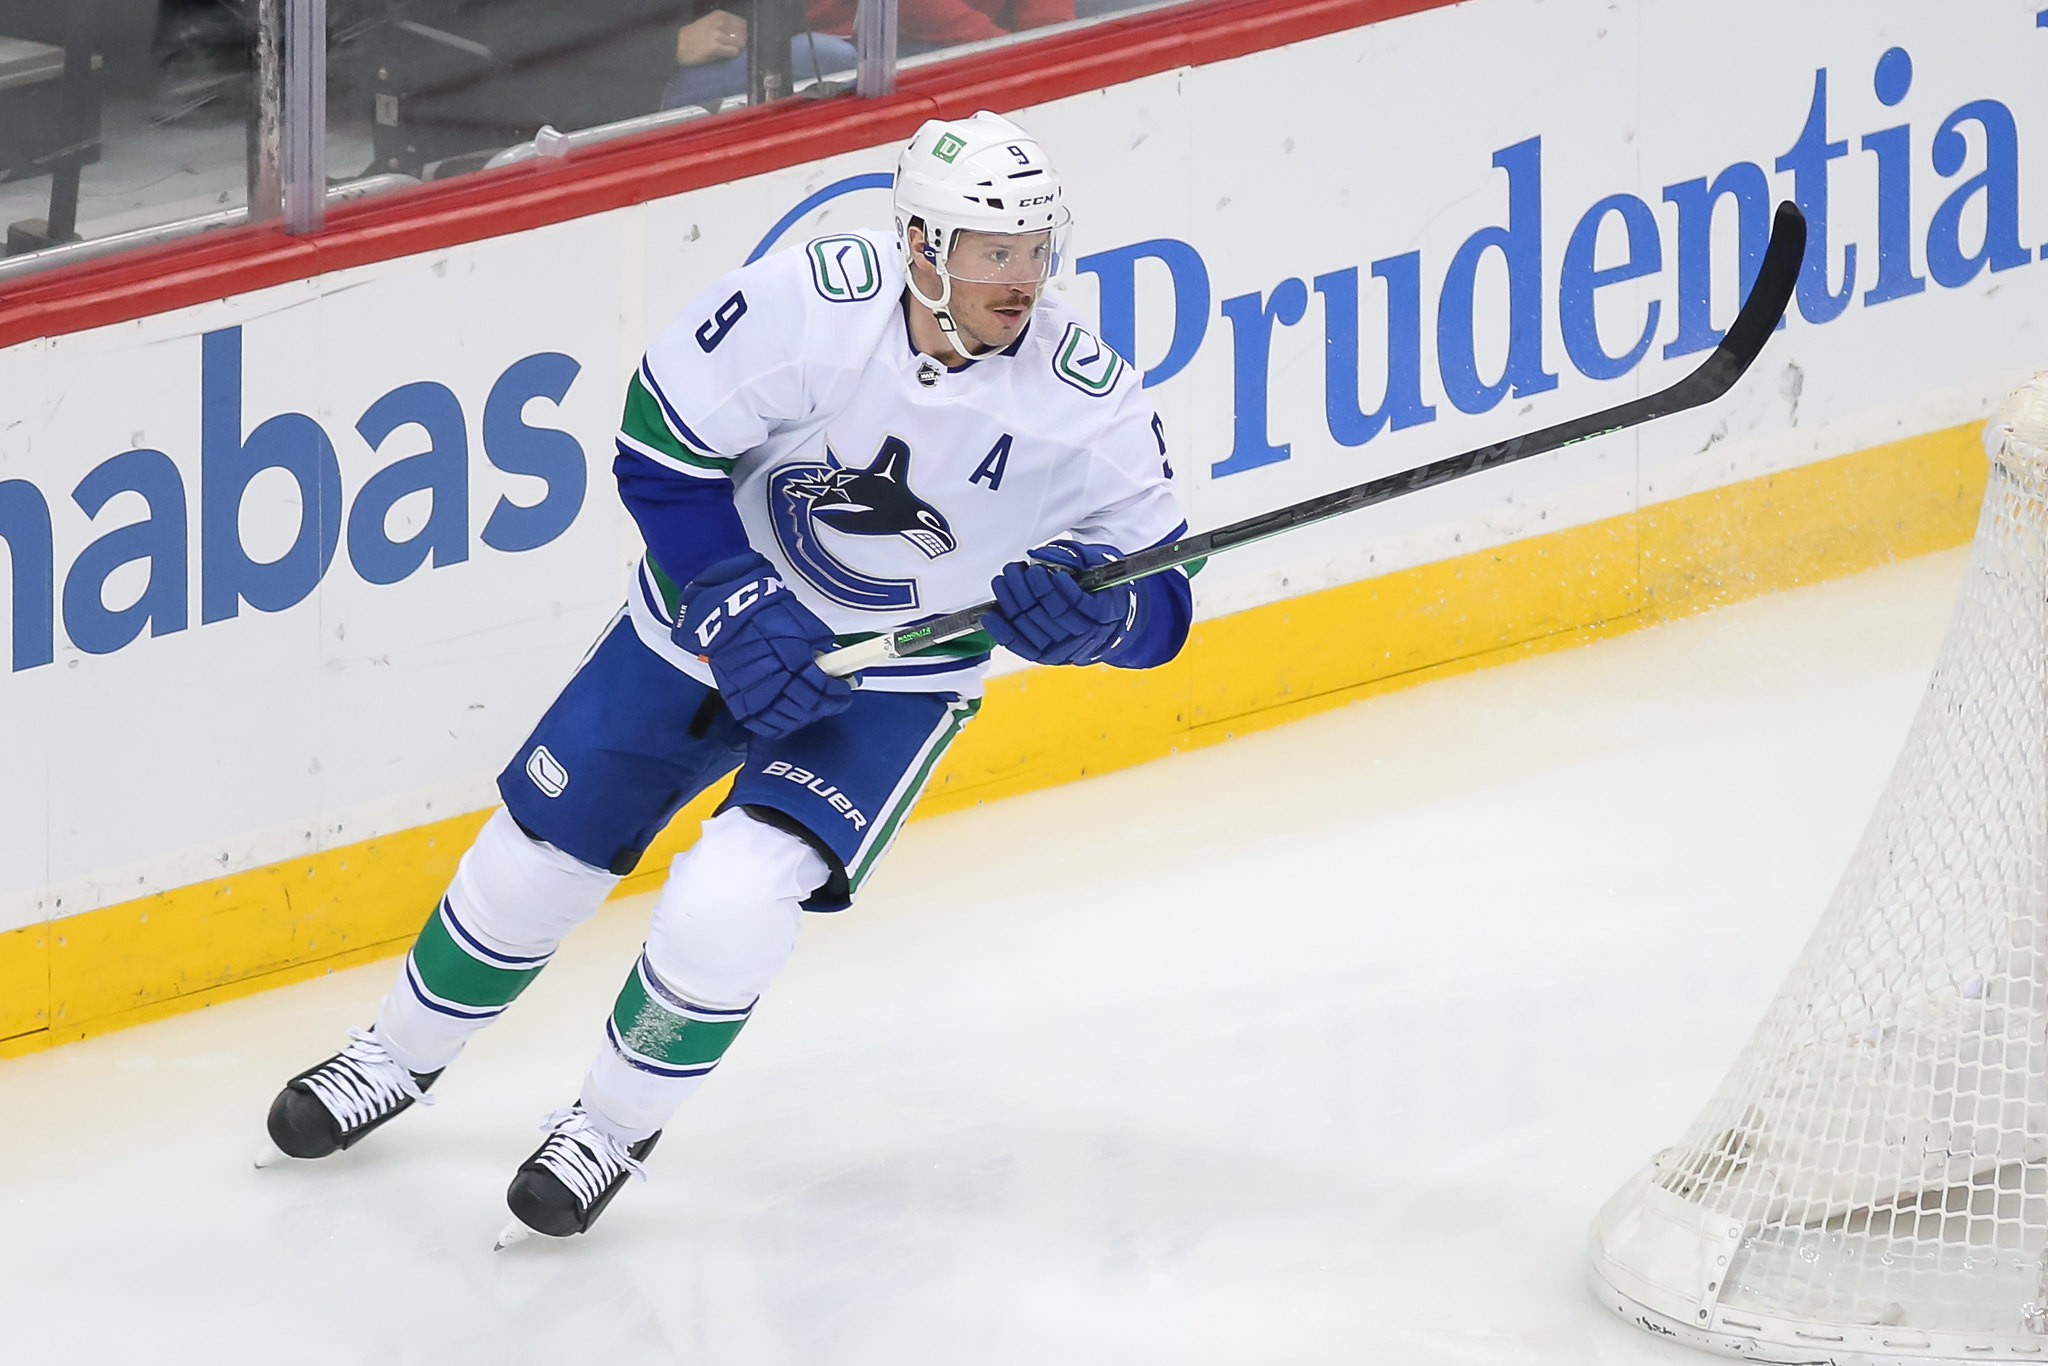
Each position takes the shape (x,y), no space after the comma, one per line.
(939,310)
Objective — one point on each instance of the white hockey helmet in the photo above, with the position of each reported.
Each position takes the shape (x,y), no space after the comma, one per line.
(984,175)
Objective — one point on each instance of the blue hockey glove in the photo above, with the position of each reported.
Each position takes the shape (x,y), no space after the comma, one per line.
(762,646)
(1048,618)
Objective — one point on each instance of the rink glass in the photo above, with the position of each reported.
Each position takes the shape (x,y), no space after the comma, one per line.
(130,122)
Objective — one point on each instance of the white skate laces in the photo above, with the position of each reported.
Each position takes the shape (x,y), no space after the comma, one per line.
(362,1082)
(584,1157)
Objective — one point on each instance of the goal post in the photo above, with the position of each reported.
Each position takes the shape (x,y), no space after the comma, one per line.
(1869,1183)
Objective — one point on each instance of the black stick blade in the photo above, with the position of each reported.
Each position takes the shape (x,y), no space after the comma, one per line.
(1765,307)
(1715,376)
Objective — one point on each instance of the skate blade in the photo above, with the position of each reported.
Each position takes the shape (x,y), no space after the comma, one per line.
(270,1155)
(513,1232)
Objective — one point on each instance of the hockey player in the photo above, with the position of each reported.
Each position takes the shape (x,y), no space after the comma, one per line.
(829,443)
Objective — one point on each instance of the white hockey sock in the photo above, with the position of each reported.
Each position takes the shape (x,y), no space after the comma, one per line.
(724,926)
(512,900)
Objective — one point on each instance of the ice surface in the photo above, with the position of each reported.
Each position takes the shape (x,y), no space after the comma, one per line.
(1320,1046)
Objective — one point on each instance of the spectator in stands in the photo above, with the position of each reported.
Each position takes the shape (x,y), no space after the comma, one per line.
(711,48)
(711,57)
(925,25)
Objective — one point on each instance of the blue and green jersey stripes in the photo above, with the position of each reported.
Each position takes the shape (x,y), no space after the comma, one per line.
(656,1029)
(667,589)
(882,833)
(455,973)
(970,646)
(649,427)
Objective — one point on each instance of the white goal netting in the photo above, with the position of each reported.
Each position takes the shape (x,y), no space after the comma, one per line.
(1870,1182)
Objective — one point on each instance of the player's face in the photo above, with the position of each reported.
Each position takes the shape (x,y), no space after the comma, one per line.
(996,281)
(993,313)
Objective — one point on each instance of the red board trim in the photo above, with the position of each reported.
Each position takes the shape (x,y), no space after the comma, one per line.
(632,170)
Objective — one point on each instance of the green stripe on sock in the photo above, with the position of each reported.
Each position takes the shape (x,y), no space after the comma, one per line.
(652,1028)
(449,970)
(645,423)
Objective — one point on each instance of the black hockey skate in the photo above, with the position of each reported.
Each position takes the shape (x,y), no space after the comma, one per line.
(330,1107)
(571,1177)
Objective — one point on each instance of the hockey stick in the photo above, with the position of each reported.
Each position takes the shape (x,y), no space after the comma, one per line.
(1715,376)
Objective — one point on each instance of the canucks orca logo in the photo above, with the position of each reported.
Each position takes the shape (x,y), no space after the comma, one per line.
(876,501)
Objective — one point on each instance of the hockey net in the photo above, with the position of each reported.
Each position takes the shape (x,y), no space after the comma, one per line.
(1870,1181)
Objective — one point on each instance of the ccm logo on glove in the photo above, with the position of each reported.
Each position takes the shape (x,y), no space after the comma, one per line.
(735,604)
(762,645)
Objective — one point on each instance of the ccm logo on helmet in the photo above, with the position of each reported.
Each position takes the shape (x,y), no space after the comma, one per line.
(1036,200)
(736,603)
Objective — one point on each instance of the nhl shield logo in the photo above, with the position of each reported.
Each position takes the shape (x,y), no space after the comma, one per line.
(876,501)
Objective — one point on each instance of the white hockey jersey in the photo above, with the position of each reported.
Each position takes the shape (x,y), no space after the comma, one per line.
(885,488)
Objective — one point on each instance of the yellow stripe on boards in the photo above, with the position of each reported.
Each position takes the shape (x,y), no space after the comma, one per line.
(1813,522)
(24,981)
(189,946)
(186,948)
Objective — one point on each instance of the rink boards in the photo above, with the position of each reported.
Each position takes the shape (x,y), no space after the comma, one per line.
(291,571)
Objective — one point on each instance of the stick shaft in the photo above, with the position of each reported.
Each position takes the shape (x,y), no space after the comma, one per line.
(1714,377)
